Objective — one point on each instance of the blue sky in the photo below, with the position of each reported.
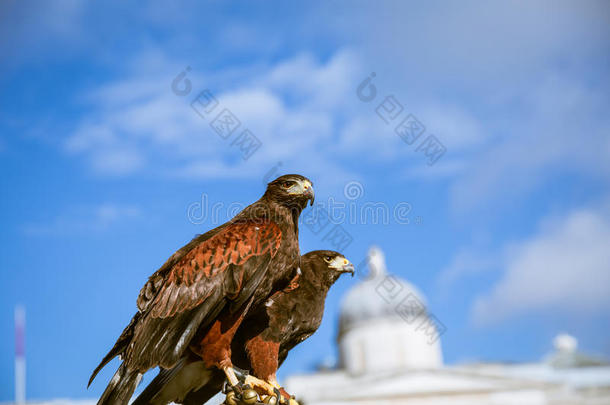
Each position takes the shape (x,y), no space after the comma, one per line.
(101,161)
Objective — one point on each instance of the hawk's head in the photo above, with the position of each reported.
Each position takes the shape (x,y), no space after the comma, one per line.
(291,190)
(325,266)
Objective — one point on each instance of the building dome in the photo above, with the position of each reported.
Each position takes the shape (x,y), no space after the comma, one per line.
(372,300)
(566,354)
(384,324)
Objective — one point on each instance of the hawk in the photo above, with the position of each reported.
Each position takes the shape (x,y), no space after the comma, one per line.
(196,301)
(263,340)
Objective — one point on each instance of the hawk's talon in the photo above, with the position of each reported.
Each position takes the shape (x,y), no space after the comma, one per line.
(241,375)
(278,395)
(249,390)
(226,387)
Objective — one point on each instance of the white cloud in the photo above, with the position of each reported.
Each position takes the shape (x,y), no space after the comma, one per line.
(564,267)
(368,136)
(482,44)
(466,263)
(459,128)
(488,88)
(84,219)
(321,85)
(514,90)
(136,124)
(60,18)
(560,128)
(442,169)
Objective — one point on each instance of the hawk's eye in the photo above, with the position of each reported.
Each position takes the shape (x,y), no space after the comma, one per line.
(327,259)
(287,184)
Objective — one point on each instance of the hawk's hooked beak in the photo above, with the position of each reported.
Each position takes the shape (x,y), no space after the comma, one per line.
(310,194)
(342,265)
(348,268)
(305,188)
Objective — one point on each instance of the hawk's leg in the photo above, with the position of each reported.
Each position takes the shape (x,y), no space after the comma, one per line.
(215,347)
(231,377)
(263,355)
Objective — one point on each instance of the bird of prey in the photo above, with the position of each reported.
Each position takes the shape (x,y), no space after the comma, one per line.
(262,341)
(195,302)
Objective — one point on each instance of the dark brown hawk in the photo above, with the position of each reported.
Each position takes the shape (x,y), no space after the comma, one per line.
(263,340)
(194,304)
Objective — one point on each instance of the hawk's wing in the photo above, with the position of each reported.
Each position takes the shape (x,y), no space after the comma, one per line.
(225,268)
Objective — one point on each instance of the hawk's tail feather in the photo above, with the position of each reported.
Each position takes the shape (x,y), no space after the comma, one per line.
(173,385)
(157,384)
(204,393)
(118,348)
(121,387)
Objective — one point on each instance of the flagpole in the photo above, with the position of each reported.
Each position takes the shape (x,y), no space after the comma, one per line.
(20,355)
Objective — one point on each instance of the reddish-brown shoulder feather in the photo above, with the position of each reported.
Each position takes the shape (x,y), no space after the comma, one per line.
(193,277)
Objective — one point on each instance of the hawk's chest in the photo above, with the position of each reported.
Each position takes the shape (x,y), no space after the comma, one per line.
(289,254)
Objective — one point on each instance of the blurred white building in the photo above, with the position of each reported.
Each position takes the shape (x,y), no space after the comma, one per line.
(383,325)
(390,353)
